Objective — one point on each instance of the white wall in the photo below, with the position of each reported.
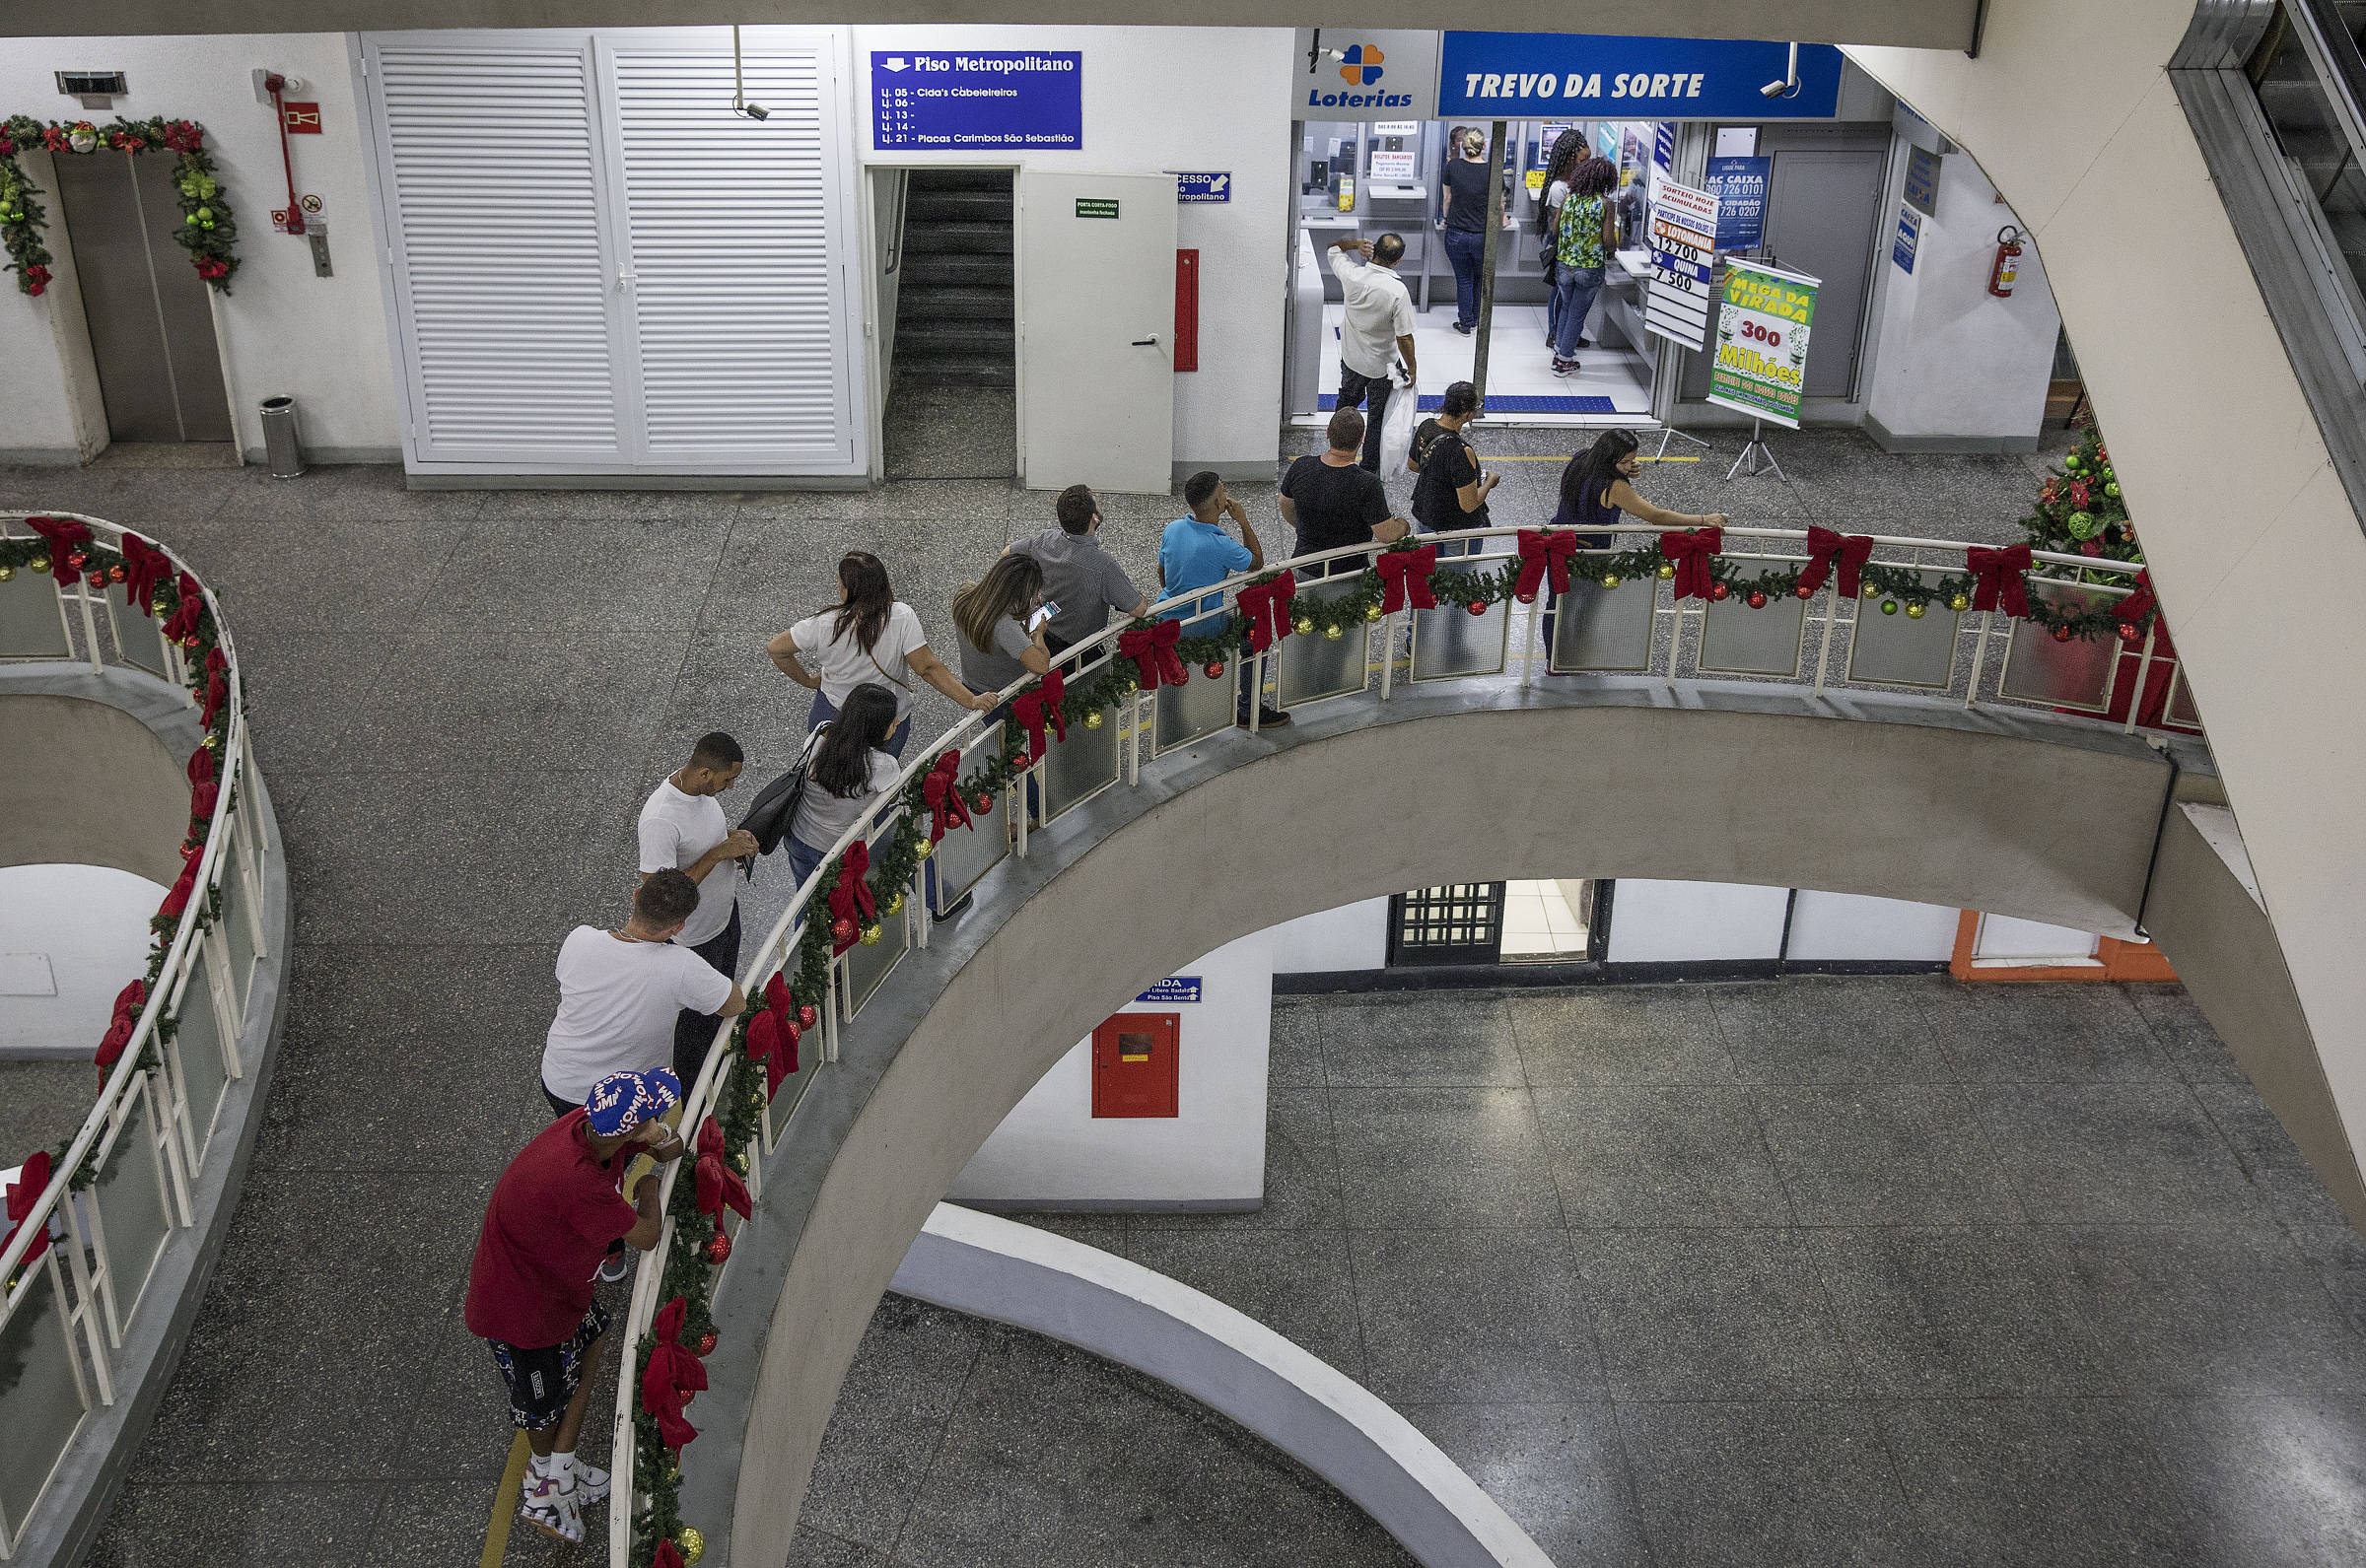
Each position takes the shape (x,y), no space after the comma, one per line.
(320,340)
(1955,365)
(1352,936)
(1051,1148)
(1196,99)
(1653,921)
(1828,926)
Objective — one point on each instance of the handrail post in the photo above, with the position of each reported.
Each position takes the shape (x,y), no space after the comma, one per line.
(1528,648)
(1980,658)
(2135,699)
(1252,670)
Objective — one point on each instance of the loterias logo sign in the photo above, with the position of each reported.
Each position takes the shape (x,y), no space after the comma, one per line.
(1543,74)
(1361,66)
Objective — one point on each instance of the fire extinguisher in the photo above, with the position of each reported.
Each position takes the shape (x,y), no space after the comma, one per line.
(2006,268)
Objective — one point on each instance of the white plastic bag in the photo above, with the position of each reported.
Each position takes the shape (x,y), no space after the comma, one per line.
(1396,431)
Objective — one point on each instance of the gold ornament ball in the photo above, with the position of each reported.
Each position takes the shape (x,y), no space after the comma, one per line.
(1871,591)
(1332,634)
(872,935)
(37,565)
(1092,720)
(8,574)
(1959,603)
(739,1162)
(895,905)
(927,849)
(1610,580)
(1914,611)
(693,1543)
(1667,571)
(1372,612)
(1303,624)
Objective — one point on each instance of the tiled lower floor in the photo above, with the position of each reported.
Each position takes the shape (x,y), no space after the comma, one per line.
(1814,1271)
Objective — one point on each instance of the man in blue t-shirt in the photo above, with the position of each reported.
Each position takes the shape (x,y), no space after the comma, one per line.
(1195,552)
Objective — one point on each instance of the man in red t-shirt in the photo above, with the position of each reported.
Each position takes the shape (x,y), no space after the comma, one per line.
(553,1215)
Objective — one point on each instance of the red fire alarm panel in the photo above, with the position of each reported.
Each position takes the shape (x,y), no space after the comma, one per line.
(1133,1066)
(300,119)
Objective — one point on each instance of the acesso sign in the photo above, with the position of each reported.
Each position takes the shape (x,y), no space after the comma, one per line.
(1539,75)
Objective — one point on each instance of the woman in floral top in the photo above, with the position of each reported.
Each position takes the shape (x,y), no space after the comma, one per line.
(1581,245)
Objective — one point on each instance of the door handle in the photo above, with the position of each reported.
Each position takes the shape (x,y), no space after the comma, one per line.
(1149,342)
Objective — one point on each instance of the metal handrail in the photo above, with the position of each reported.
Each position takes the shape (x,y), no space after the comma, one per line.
(127,1077)
(773,954)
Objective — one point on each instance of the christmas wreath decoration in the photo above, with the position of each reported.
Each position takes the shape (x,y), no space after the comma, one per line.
(207,227)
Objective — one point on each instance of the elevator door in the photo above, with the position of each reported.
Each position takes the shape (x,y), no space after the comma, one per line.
(152,328)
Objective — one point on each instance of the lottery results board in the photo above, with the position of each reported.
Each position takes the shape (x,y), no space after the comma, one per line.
(1684,260)
(1762,325)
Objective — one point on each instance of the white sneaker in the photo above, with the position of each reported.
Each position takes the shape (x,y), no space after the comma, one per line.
(590,1485)
(615,1266)
(552,1509)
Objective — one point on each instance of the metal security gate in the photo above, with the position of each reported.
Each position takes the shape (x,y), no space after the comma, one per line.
(1461,922)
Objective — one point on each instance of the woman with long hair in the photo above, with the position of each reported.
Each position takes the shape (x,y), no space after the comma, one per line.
(1568,150)
(1001,637)
(869,635)
(1597,489)
(1582,241)
(1464,221)
(848,767)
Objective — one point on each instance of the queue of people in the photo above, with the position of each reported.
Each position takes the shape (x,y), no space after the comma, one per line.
(639,1004)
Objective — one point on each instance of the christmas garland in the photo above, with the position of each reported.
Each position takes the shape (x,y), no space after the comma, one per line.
(207,227)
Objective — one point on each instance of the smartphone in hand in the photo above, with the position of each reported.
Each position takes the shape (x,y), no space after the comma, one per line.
(1043,612)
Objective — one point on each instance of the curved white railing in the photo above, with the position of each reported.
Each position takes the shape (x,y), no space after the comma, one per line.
(163,1090)
(1906,631)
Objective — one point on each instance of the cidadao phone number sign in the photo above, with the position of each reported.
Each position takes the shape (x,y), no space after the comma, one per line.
(1764,319)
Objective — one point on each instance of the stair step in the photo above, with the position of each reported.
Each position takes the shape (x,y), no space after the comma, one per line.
(957,303)
(920,341)
(952,206)
(956,373)
(962,238)
(960,180)
(954,269)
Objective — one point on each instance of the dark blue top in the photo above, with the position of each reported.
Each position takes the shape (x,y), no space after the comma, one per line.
(1594,511)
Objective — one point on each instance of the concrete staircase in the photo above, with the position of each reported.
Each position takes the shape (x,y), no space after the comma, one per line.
(954,318)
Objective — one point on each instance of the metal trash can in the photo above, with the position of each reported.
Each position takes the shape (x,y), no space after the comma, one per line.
(281,450)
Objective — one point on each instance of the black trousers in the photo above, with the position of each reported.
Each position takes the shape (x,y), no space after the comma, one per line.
(1355,388)
(693,1032)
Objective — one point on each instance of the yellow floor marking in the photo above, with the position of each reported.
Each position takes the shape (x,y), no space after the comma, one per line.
(505,1503)
(1554,458)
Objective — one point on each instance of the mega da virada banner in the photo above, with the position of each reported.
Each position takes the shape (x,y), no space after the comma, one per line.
(1764,319)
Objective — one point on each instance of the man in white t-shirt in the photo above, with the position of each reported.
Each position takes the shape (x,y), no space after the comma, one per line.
(1375,329)
(620,992)
(682,830)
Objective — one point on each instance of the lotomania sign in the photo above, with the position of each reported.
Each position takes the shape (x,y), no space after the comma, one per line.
(1529,75)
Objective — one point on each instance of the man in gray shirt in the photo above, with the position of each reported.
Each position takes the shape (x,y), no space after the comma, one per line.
(1078,575)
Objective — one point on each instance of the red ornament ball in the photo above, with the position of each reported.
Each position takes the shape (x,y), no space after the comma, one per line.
(706,1343)
(1718,590)
(842,930)
(793,1033)
(1758,600)
(97,578)
(806,1015)
(1804,591)
(1214,669)
(983,804)
(78,559)
(1477,606)
(719,1249)
(115,574)
(2061,634)
(2130,632)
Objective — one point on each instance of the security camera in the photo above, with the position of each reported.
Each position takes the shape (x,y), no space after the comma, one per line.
(755,111)
(1778,89)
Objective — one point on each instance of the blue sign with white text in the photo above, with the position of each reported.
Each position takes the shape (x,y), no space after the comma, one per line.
(1173,989)
(1203,187)
(1740,186)
(1910,234)
(1536,75)
(977,99)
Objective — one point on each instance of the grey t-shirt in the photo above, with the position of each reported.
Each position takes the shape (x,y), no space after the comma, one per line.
(1082,579)
(989,670)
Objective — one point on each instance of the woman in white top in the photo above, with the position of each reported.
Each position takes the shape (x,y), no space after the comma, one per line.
(870,636)
(850,770)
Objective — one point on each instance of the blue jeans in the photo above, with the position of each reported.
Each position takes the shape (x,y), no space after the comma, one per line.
(1572,302)
(1466,249)
(897,738)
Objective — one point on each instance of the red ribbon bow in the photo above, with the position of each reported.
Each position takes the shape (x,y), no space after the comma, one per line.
(183,624)
(202,788)
(176,898)
(1825,550)
(128,1002)
(144,567)
(852,894)
(1153,650)
(1041,707)
(217,686)
(665,1556)
(773,1035)
(1692,552)
(1542,551)
(24,1192)
(64,535)
(1267,606)
(1997,574)
(2140,602)
(1404,579)
(942,790)
(719,1186)
(671,1375)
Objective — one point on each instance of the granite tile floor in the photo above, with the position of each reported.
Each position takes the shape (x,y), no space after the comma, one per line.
(460,696)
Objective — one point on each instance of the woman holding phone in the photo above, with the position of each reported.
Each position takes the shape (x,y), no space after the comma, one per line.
(1002,631)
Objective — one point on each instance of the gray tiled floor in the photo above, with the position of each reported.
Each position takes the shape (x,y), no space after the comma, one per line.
(460,696)
(1875,1271)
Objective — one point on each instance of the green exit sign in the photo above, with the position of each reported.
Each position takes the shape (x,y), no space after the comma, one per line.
(1097,207)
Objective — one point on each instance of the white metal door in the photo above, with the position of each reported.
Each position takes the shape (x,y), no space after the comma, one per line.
(1097,324)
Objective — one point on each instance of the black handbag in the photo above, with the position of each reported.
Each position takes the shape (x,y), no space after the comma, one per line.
(773,812)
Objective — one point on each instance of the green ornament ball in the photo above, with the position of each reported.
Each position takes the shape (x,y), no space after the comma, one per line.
(2081,526)
(2071,463)
(191,220)
(204,214)
(1889,606)
(2112,490)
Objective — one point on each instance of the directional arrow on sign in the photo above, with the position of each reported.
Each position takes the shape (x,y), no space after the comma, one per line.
(894,62)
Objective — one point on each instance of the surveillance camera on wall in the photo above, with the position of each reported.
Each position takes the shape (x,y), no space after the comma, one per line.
(1776,88)
(755,111)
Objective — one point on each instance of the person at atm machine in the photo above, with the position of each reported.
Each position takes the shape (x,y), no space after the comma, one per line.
(1465,221)
(1376,328)
(1584,238)
(1569,151)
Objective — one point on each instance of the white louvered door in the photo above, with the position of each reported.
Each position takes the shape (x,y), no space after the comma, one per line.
(730,230)
(597,267)
(490,182)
